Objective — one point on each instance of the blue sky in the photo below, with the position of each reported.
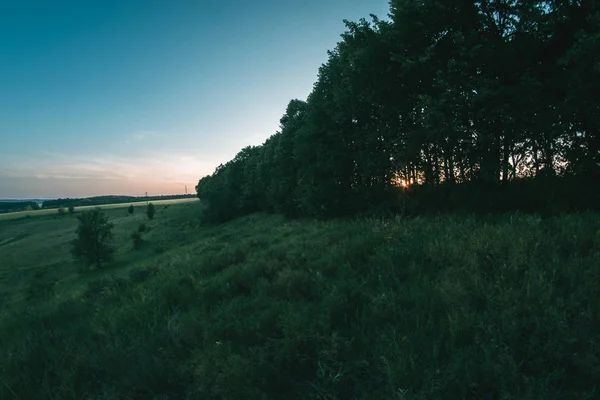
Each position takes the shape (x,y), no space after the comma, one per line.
(124,97)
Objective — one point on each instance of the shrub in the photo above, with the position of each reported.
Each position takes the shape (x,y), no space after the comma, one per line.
(130,209)
(136,238)
(71,209)
(61,210)
(142,227)
(150,211)
(94,237)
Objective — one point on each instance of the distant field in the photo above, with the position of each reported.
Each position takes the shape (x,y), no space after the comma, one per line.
(34,213)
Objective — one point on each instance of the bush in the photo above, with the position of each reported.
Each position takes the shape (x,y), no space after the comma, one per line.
(150,211)
(136,238)
(61,210)
(130,209)
(142,227)
(94,237)
(71,209)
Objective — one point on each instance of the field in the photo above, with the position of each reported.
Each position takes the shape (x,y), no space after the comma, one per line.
(49,211)
(452,307)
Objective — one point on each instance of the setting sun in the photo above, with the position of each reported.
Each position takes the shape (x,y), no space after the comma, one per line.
(400,182)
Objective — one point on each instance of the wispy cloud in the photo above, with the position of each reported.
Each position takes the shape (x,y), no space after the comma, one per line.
(141,135)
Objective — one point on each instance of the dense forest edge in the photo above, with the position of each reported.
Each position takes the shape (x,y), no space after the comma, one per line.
(101,200)
(445,106)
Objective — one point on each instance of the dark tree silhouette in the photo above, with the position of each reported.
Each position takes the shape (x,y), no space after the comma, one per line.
(150,211)
(478,105)
(94,237)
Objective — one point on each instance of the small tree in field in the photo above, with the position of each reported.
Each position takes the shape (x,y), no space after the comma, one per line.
(136,238)
(71,209)
(61,210)
(94,237)
(130,209)
(150,211)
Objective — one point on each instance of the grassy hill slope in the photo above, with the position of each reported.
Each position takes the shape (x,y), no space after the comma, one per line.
(266,308)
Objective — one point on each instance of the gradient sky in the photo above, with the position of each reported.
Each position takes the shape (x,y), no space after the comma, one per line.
(129,96)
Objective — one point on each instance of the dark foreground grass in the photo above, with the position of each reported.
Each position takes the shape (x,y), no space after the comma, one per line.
(264,308)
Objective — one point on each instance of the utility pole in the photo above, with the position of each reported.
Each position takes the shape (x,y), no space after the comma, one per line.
(185,189)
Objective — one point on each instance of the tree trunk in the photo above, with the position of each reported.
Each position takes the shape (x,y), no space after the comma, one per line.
(505,160)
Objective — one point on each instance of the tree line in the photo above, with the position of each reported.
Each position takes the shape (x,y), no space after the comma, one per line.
(14,206)
(447,104)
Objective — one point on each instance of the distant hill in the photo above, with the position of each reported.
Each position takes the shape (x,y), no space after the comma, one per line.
(101,200)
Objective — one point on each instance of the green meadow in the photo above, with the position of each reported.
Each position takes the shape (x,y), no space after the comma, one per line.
(50,211)
(263,307)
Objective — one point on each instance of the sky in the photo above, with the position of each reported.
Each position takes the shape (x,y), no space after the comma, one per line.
(135,96)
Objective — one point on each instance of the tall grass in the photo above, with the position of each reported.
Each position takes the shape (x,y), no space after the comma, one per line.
(503,307)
